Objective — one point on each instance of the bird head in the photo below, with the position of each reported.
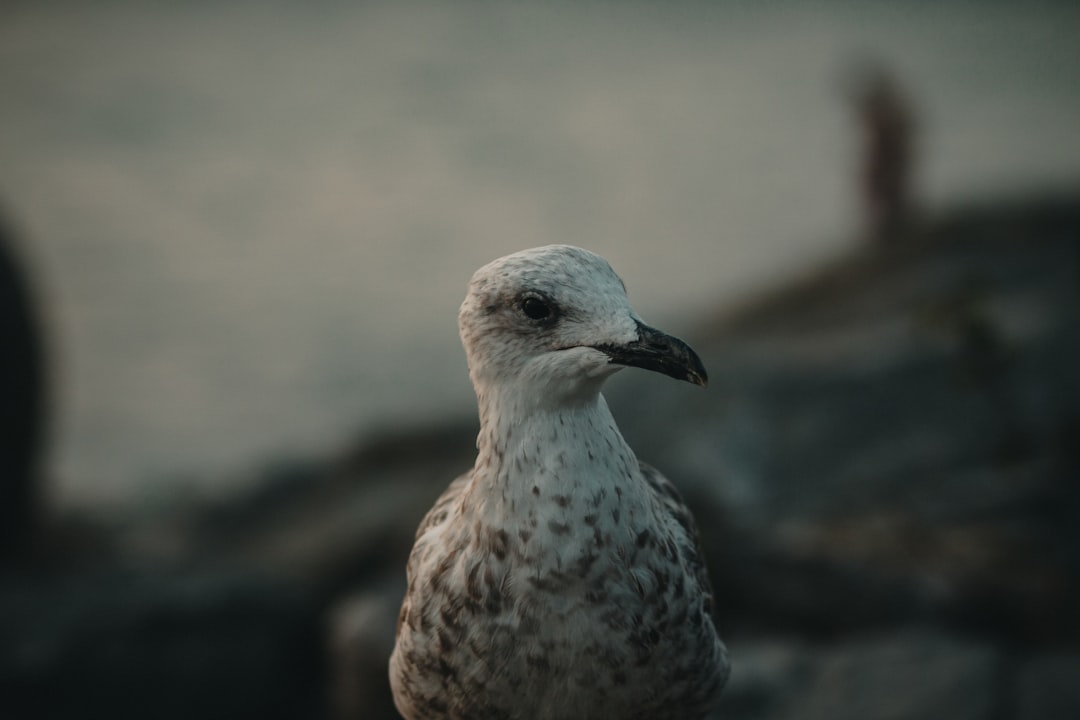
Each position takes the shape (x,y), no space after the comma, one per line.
(556,320)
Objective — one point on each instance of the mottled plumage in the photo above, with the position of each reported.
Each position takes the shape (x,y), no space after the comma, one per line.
(560,578)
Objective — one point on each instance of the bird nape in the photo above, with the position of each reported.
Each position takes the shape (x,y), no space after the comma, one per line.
(560,577)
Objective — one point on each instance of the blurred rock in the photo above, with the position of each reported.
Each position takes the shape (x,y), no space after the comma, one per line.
(915,673)
(908,676)
(361,638)
(767,680)
(1048,686)
(335,525)
(893,439)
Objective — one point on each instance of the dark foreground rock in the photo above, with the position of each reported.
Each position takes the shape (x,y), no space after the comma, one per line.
(193,644)
(886,472)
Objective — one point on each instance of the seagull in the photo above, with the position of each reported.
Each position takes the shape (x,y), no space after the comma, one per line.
(560,578)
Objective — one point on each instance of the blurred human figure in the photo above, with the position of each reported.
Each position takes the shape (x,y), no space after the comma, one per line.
(22,407)
(886,124)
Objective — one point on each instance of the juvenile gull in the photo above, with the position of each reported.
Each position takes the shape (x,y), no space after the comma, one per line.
(559,578)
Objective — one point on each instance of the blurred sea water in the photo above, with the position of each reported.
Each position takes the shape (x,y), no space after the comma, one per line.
(251,224)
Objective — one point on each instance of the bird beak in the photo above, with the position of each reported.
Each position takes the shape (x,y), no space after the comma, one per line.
(657,351)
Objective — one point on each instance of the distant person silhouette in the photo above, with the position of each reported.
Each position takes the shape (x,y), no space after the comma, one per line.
(886,123)
(22,406)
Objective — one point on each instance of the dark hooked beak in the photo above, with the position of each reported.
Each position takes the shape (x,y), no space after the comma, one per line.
(654,350)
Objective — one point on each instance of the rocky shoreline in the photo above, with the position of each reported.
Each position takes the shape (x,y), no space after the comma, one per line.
(886,472)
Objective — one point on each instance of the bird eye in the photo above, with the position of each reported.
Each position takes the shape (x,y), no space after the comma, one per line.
(535,308)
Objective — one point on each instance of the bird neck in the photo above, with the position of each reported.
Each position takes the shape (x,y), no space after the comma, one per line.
(554,467)
(538,431)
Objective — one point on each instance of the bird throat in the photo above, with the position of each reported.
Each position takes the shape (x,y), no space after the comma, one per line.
(559,484)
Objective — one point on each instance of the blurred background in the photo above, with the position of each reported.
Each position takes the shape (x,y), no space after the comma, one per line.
(236,236)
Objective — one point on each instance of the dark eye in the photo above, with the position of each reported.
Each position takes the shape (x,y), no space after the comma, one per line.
(535,308)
